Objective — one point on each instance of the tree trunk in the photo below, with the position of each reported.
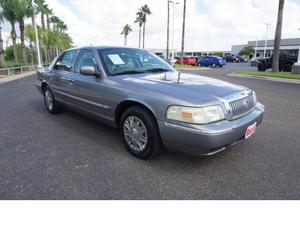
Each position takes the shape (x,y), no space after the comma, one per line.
(168,32)
(14,41)
(183,32)
(144,31)
(277,40)
(125,40)
(22,36)
(43,20)
(31,53)
(140,35)
(2,58)
(48,21)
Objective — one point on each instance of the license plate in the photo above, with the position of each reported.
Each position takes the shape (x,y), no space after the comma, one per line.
(250,130)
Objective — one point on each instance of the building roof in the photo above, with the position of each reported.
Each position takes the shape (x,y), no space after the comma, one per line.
(270,43)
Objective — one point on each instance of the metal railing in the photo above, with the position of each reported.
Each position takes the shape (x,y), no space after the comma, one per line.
(17,70)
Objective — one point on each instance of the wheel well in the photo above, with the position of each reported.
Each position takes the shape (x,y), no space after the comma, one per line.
(125,105)
(44,85)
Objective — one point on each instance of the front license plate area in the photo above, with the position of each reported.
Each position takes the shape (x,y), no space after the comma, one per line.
(250,130)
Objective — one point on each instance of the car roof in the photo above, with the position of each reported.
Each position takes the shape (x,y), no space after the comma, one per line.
(101,47)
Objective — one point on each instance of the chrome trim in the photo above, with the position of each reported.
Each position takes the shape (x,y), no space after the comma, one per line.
(83,100)
(215,152)
(197,130)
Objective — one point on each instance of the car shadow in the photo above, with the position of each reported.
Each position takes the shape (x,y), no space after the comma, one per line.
(91,129)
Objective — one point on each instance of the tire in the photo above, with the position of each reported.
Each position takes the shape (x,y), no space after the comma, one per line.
(261,67)
(144,129)
(213,65)
(220,66)
(51,104)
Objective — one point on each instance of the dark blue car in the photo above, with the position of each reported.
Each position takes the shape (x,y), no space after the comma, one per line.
(212,61)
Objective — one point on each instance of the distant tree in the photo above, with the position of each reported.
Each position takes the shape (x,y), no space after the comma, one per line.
(246,51)
(221,54)
(145,10)
(126,30)
(140,21)
(277,40)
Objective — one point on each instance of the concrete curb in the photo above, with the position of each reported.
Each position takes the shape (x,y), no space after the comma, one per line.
(192,69)
(283,80)
(4,79)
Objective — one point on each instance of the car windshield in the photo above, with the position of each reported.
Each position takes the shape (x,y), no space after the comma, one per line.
(124,61)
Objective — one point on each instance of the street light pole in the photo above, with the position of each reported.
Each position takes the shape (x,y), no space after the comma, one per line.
(173,22)
(168,32)
(266,40)
(255,52)
(37,44)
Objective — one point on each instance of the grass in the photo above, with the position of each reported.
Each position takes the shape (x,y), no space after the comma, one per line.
(287,75)
(178,66)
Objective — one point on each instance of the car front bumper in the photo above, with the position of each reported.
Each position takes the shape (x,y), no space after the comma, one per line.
(207,139)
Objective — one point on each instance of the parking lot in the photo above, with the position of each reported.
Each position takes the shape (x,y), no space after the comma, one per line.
(69,156)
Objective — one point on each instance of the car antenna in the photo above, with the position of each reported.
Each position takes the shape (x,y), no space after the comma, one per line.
(178,79)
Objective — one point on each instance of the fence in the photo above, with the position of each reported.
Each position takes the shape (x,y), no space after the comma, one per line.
(17,70)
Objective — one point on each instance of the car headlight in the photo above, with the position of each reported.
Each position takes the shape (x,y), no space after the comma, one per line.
(193,115)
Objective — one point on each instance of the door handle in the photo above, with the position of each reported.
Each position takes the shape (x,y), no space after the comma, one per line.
(70,81)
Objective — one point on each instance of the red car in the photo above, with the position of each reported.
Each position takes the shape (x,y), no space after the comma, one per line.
(187,61)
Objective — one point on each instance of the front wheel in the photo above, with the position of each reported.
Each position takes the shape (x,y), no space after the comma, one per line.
(139,132)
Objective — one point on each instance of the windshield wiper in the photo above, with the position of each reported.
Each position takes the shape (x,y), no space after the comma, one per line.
(153,70)
(129,72)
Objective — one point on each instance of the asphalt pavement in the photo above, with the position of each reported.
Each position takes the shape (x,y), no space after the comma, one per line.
(69,156)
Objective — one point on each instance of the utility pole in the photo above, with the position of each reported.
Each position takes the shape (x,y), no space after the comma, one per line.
(37,44)
(266,40)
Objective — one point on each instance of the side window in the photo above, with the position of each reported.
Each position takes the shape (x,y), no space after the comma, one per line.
(85,58)
(65,61)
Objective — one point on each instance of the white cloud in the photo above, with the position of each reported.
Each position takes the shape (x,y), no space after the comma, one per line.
(225,22)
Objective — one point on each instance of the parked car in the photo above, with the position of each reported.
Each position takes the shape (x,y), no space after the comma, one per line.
(230,59)
(212,61)
(240,59)
(286,62)
(187,61)
(151,103)
(254,61)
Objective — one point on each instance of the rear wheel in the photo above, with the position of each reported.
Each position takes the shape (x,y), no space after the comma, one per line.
(139,132)
(52,105)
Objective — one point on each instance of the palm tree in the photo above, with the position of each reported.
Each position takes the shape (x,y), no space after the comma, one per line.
(140,21)
(277,40)
(43,9)
(22,11)
(30,36)
(8,9)
(145,12)
(126,30)
(48,14)
(2,58)
(183,31)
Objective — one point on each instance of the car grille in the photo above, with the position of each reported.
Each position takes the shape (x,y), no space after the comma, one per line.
(242,106)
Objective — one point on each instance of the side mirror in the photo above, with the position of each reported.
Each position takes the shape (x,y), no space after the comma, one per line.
(89,70)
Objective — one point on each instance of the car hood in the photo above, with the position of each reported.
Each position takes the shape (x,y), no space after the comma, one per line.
(191,88)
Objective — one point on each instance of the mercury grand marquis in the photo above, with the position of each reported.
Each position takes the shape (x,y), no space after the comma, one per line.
(152,104)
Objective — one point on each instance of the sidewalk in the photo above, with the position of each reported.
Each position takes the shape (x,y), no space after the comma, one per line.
(6,78)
